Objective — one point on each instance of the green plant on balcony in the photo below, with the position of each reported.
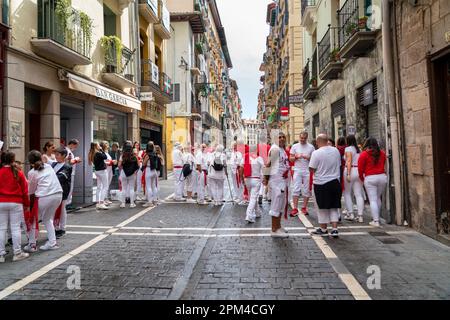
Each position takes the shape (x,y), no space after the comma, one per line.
(63,13)
(112,46)
(86,26)
(351,28)
(335,55)
(199,47)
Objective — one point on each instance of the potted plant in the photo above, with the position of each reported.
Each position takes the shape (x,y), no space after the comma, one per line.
(112,46)
(351,28)
(334,55)
(313,82)
(199,47)
(362,23)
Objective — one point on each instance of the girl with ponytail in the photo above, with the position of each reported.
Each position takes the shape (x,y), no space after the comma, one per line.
(46,194)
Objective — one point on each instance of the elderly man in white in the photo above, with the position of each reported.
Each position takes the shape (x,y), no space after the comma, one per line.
(178,162)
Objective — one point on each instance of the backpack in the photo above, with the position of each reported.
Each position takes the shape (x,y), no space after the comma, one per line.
(64,177)
(187,170)
(155,161)
(218,163)
(130,167)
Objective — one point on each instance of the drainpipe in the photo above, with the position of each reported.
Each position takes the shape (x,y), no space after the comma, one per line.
(391,107)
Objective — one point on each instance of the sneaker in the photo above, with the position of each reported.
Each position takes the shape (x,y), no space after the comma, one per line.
(30,248)
(59,234)
(349,217)
(20,256)
(2,259)
(280,233)
(132,205)
(122,205)
(102,207)
(374,223)
(305,211)
(47,246)
(335,233)
(191,201)
(294,212)
(320,232)
(360,219)
(10,243)
(179,199)
(148,205)
(202,203)
(107,202)
(260,199)
(250,221)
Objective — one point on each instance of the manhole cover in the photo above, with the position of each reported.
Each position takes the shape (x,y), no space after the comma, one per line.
(378,233)
(389,240)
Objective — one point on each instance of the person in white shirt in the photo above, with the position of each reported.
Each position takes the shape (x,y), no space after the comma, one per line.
(177,160)
(301,153)
(44,187)
(352,182)
(109,167)
(254,174)
(217,175)
(277,177)
(201,163)
(326,164)
(237,163)
(188,158)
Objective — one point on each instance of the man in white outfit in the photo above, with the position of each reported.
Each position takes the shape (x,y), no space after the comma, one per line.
(277,177)
(188,158)
(237,163)
(326,164)
(177,160)
(201,163)
(301,153)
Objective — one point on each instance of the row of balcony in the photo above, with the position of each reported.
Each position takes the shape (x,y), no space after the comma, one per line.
(159,83)
(352,38)
(156,12)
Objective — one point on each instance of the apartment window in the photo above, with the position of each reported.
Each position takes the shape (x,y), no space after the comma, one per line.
(109,21)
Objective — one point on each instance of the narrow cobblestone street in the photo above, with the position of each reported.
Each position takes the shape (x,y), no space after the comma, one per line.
(185,251)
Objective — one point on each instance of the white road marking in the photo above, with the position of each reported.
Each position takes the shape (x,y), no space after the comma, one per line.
(344,274)
(245,235)
(89,227)
(39,273)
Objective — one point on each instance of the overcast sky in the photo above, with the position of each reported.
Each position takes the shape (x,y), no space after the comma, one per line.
(246,30)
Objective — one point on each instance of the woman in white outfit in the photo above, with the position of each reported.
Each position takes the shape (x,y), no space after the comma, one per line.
(152,166)
(109,166)
(97,158)
(129,166)
(49,153)
(253,173)
(140,155)
(45,190)
(371,167)
(216,176)
(13,201)
(352,183)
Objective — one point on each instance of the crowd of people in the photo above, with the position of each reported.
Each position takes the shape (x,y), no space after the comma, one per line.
(319,170)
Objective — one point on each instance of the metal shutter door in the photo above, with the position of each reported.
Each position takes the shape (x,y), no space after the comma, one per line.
(373,121)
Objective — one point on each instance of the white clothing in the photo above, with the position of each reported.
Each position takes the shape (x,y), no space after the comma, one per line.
(279,162)
(188,158)
(50,160)
(302,149)
(213,174)
(201,178)
(102,185)
(355,156)
(375,186)
(71,156)
(47,207)
(63,218)
(13,212)
(326,216)
(217,186)
(278,183)
(327,162)
(236,160)
(253,187)
(43,182)
(109,169)
(356,186)
(202,160)
(127,187)
(238,187)
(179,183)
(257,165)
(177,158)
(300,183)
(151,184)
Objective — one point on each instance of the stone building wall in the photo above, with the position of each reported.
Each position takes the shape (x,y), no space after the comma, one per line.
(420,30)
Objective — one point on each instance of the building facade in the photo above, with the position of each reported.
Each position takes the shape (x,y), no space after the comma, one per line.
(71,73)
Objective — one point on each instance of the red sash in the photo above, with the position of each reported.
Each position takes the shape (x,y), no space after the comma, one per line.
(238,179)
(57,217)
(143,182)
(286,176)
(32,217)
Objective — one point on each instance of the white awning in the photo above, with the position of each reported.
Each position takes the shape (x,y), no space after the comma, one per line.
(94,89)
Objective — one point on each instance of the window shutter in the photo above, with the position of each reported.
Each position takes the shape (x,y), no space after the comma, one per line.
(176,92)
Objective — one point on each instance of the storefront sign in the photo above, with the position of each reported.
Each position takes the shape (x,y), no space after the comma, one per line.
(296,99)
(351,129)
(368,94)
(94,89)
(146,96)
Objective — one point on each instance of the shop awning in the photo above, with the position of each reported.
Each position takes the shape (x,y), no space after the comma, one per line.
(94,89)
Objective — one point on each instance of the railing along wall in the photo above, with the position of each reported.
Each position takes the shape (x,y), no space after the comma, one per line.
(328,47)
(348,17)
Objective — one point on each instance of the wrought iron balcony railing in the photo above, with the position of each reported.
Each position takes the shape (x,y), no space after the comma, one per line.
(328,48)
(348,18)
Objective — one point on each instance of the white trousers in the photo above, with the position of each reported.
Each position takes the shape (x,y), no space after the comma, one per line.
(151,184)
(47,208)
(14,213)
(278,195)
(128,184)
(253,186)
(194,176)
(217,186)
(300,184)
(102,185)
(326,216)
(201,186)
(63,219)
(189,182)
(238,190)
(375,186)
(72,184)
(179,183)
(356,186)
(139,180)
(262,188)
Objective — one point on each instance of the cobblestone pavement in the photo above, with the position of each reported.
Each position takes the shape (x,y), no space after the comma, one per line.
(185,251)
